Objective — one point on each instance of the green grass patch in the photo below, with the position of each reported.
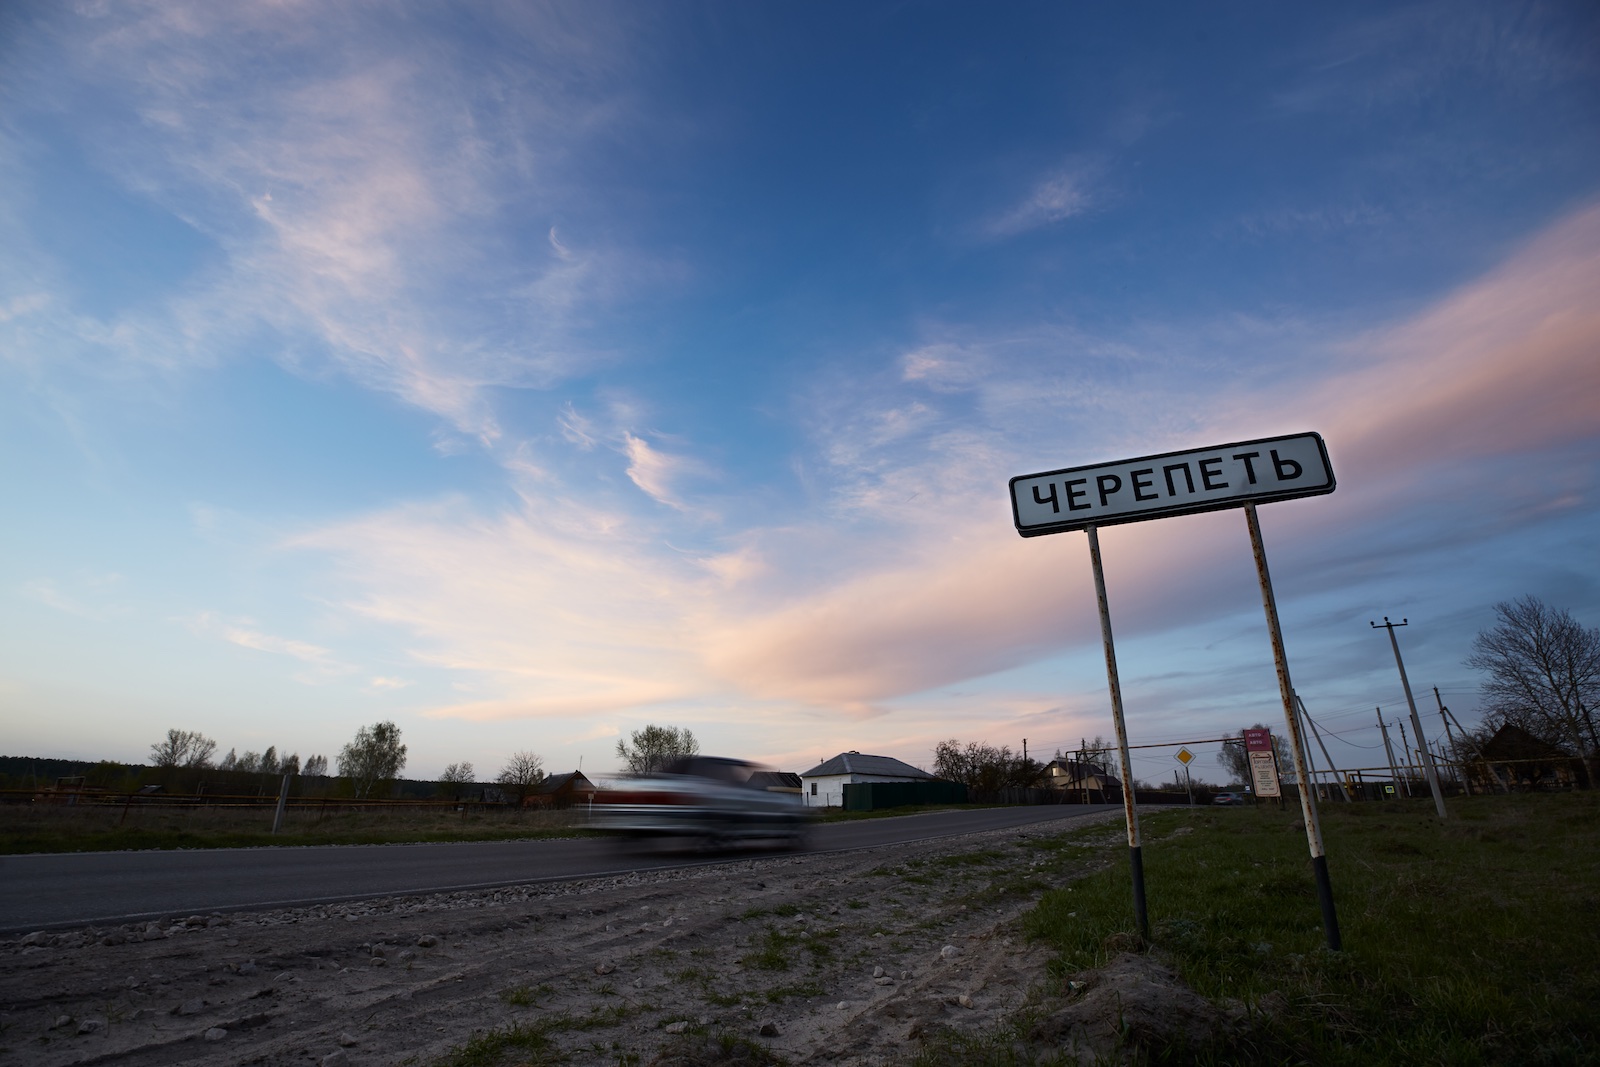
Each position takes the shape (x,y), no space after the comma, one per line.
(531,1044)
(779,994)
(1465,942)
(526,996)
(773,951)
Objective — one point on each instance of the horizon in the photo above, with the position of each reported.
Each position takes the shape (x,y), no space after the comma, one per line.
(524,377)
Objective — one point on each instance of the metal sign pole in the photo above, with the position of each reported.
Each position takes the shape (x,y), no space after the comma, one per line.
(1308,810)
(1135,858)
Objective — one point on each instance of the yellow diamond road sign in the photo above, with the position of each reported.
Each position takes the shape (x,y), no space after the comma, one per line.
(1184,756)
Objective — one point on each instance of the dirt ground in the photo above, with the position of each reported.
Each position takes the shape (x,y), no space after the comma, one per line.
(841,959)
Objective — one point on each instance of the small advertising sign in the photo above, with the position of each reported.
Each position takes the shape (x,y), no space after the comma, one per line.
(1258,739)
(1264,773)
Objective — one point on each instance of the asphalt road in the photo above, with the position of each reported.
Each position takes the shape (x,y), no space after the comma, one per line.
(82,888)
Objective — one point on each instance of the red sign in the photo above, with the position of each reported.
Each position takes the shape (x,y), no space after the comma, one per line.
(1258,740)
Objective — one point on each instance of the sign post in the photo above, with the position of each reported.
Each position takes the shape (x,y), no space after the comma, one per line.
(1242,474)
(1129,811)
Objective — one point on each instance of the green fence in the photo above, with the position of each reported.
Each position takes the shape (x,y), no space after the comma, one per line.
(872,796)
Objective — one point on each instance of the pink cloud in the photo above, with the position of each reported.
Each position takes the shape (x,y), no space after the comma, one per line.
(1506,364)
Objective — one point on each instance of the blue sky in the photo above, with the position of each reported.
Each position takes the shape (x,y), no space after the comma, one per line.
(525,374)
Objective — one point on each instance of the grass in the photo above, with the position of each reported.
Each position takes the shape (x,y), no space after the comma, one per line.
(530,1044)
(525,996)
(1473,941)
(33,828)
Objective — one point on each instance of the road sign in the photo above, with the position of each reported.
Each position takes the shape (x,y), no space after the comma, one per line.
(1264,773)
(1172,483)
(1184,756)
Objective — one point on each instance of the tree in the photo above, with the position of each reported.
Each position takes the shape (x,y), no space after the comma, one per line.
(316,766)
(1544,674)
(456,778)
(183,748)
(269,760)
(522,772)
(373,759)
(984,768)
(290,764)
(656,746)
(230,761)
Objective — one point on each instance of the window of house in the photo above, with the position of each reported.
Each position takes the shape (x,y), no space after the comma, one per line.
(813,788)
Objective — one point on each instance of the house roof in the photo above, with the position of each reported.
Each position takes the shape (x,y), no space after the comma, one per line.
(775,780)
(555,783)
(1512,742)
(856,763)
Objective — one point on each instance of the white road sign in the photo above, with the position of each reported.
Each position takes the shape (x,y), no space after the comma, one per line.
(1264,774)
(1174,483)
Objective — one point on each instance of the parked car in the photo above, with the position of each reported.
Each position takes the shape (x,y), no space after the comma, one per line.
(706,799)
(1228,798)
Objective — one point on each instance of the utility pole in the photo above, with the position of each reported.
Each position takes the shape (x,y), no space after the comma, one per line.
(1311,764)
(1405,750)
(1416,723)
(1455,754)
(1024,750)
(1461,731)
(1332,770)
(1394,771)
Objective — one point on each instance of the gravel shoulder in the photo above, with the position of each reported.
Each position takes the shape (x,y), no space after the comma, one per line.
(846,958)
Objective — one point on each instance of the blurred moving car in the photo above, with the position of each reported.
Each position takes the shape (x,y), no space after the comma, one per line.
(709,799)
(1228,798)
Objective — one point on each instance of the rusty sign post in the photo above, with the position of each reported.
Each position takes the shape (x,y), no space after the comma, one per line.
(1183,483)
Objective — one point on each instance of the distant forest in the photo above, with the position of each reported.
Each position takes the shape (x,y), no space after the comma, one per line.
(31,773)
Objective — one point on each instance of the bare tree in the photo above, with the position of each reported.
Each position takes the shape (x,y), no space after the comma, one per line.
(984,768)
(373,759)
(1544,674)
(456,778)
(290,764)
(656,746)
(183,748)
(522,772)
(315,767)
(269,760)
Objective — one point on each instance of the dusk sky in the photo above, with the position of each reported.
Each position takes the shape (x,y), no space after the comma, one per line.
(524,374)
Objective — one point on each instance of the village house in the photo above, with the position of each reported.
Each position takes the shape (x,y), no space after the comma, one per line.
(1083,780)
(823,785)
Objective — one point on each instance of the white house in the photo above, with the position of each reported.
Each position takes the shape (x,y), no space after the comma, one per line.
(823,785)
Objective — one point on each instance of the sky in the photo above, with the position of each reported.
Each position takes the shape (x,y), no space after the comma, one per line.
(524,374)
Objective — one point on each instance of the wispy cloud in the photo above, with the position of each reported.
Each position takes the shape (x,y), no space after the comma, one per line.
(381,684)
(1056,197)
(657,473)
(242,632)
(87,600)
(361,191)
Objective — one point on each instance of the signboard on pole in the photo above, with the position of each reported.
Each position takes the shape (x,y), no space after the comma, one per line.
(1172,483)
(1239,475)
(1264,774)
